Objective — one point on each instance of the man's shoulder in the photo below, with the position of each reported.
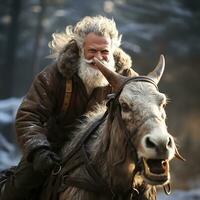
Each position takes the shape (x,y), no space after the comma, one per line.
(49,73)
(122,60)
(123,63)
(51,69)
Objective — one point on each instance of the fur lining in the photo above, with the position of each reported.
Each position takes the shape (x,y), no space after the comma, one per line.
(68,60)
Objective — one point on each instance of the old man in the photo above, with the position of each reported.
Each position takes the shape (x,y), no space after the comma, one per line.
(59,96)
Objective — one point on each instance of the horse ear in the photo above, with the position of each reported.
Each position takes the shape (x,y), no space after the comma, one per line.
(157,73)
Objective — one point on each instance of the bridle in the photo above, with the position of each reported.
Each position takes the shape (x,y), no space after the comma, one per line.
(114,106)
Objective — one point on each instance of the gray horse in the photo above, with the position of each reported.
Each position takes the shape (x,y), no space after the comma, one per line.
(121,150)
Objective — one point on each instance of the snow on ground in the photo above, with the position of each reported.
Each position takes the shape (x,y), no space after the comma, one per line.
(9,153)
(193,194)
(8,108)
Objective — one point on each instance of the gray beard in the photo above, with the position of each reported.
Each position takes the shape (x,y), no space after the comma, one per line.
(93,78)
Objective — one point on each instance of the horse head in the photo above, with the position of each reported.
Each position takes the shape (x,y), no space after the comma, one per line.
(142,117)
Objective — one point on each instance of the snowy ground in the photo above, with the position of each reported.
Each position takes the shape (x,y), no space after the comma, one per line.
(181,195)
(9,153)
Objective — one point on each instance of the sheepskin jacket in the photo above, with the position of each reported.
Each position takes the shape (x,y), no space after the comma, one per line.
(40,123)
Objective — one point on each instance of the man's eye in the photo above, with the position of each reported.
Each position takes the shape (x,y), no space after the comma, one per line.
(105,51)
(92,51)
(125,107)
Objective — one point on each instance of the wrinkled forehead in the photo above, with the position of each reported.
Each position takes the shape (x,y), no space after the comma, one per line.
(136,91)
(93,39)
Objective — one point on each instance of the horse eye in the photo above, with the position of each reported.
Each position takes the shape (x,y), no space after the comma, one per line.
(163,105)
(125,107)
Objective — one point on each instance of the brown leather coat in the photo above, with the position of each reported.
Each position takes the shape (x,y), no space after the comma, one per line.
(40,123)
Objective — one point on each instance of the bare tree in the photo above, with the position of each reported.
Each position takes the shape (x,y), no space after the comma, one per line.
(11,47)
(38,38)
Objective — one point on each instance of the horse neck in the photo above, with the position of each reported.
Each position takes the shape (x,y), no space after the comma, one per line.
(111,156)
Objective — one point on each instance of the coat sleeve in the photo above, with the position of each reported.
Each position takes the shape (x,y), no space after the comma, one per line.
(33,114)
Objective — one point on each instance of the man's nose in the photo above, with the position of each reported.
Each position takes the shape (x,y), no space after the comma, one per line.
(98,55)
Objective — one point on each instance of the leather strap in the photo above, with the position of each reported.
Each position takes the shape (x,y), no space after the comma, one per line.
(68,93)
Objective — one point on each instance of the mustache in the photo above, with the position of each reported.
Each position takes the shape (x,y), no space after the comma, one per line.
(88,61)
(91,61)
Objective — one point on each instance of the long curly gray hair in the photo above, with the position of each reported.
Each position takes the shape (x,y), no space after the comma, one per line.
(99,25)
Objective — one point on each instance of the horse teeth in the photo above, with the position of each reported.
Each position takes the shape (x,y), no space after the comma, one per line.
(159,174)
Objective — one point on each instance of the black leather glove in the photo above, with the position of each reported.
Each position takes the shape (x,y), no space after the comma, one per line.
(45,161)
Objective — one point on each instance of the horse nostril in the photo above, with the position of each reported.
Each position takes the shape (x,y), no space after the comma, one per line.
(169,144)
(150,143)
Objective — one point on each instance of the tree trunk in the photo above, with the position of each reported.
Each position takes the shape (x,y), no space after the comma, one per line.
(8,69)
(38,39)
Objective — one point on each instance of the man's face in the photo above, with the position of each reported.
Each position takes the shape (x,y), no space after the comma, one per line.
(97,46)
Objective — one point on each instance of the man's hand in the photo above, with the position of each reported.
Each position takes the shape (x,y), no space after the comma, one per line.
(45,161)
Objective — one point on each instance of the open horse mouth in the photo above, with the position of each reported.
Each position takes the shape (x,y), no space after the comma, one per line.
(155,171)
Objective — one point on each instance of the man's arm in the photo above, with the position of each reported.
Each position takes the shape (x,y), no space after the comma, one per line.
(33,112)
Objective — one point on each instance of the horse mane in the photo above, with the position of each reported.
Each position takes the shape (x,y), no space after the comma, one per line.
(84,124)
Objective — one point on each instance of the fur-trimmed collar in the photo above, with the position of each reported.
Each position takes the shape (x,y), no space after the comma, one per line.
(68,60)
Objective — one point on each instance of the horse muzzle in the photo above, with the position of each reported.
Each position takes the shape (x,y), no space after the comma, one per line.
(155,171)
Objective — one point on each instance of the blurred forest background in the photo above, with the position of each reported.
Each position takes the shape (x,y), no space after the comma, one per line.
(149,28)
